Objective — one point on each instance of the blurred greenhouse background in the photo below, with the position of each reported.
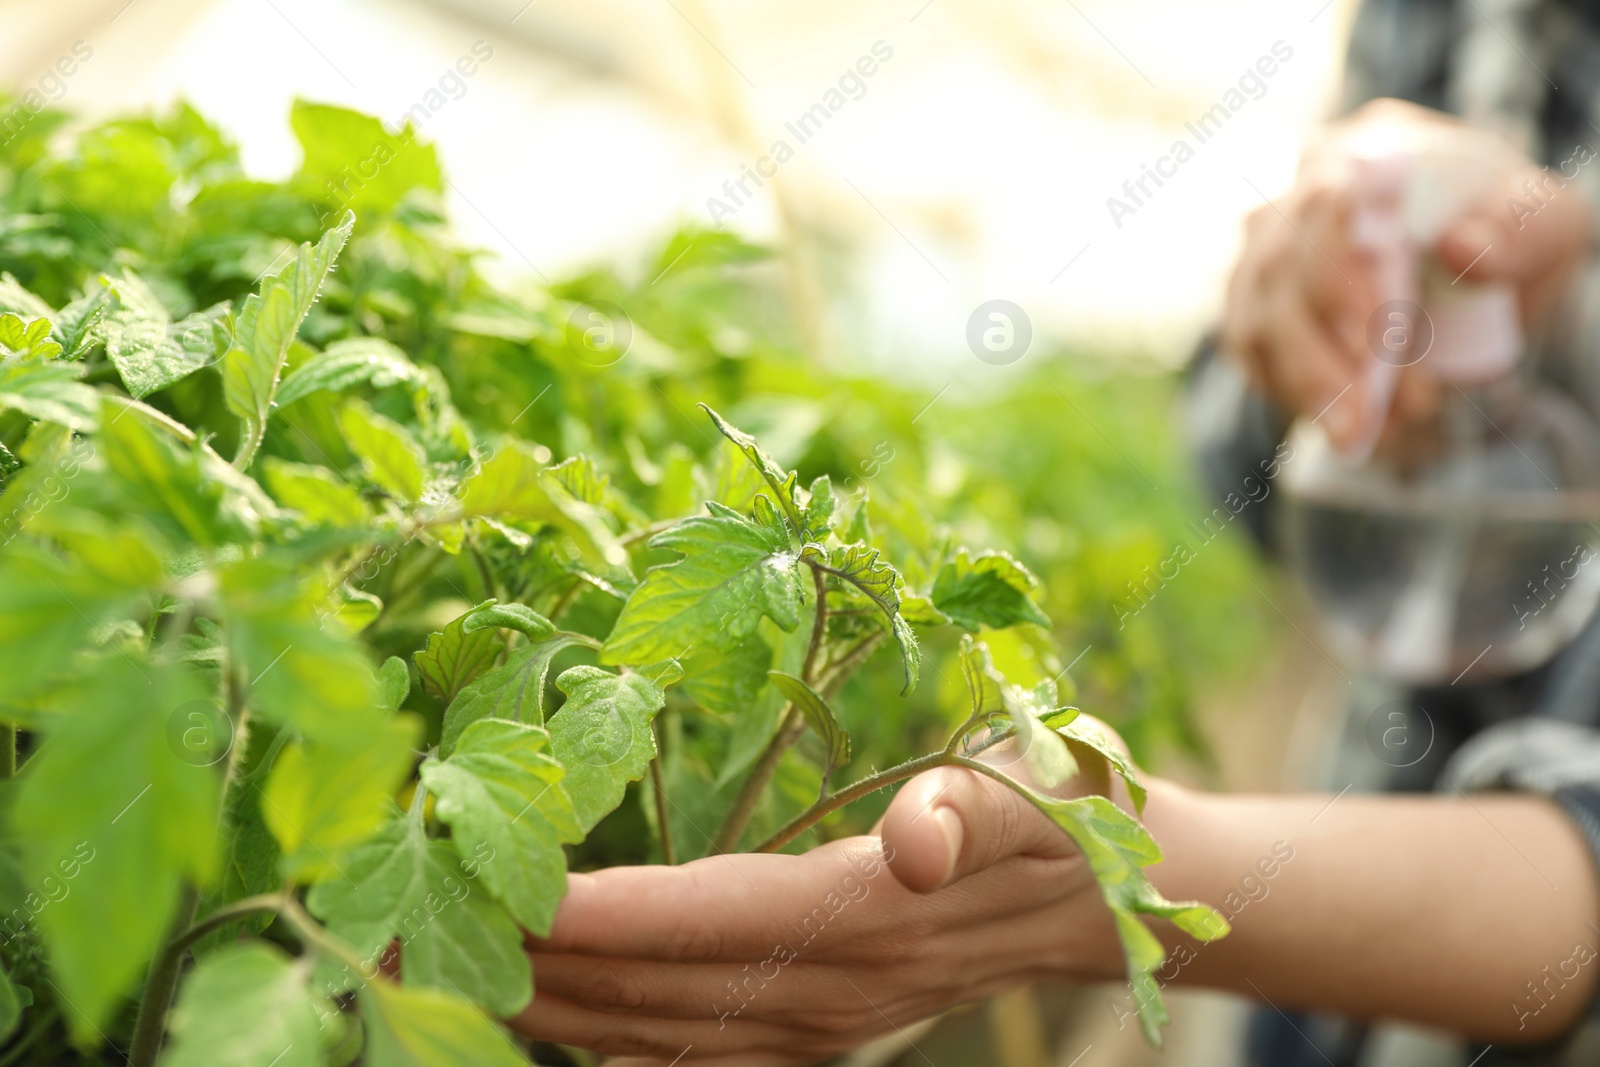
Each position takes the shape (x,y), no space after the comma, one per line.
(974,162)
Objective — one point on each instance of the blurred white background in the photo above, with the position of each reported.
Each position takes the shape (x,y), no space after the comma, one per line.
(976,164)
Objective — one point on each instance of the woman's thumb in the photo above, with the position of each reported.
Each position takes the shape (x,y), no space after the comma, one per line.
(951,822)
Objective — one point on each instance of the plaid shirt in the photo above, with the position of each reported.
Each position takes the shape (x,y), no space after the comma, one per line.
(1529,70)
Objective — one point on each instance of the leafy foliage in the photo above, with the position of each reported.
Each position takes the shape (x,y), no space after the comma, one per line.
(734,571)
(243,1005)
(451,566)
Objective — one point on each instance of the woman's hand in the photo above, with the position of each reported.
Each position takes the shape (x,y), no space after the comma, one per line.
(772,959)
(1437,910)
(1302,293)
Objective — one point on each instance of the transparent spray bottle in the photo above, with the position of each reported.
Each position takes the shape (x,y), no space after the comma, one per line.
(1464,547)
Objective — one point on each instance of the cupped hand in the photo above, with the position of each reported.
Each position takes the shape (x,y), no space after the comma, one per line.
(1302,293)
(776,959)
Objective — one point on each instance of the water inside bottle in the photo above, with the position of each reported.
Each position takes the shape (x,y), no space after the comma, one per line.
(1473,558)
(1425,595)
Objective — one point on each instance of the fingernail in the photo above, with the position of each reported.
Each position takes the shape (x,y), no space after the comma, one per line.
(954,834)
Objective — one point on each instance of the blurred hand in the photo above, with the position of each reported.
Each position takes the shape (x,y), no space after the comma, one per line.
(773,959)
(1301,294)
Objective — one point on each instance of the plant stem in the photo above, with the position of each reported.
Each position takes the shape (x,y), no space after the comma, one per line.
(663,826)
(633,537)
(565,599)
(792,727)
(1004,779)
(826,806)
(151,1024)
(483,572)
(254,432)
(839,670)
(405,585)
(239,909)
(945,757)
(314,935)
(819,627)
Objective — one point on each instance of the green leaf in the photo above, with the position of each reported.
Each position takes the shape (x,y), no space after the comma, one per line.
(453,658)
(266,327)
(149,351)
(517,617)
(508,485)
(819,717)
(860,529)
(126,554)
(49,389)
(728,679)
(351,159)
(732,573)
(1044,752)
(864,567)
(108,788)
(76,326)
(170,472)
(919,611)
(350,362)
(514,690)
(394,682)
(247,1005)
(512,487)
(322,800)
(250,859)
(403,886)
(783,483)
(1116,847)
(47,610)
(991,590)
(500,790)
(313,677)
(817,518)
(10,1007)
(9,464)
(1071,726)
(409,1027)
(582,480)
(602,736)
(17,300)
(392,460)
(31,339)
(176,486)
(316,493)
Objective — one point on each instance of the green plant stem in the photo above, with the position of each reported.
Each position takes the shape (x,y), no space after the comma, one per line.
(644,533)
(565,599)
(253,435)
(483,572)
(239,909)
(151,1024)
(408,584)
(314,935)
(839,670)
(792,727)
(663,826)
(871,784)
(1004,779)
(945,757)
